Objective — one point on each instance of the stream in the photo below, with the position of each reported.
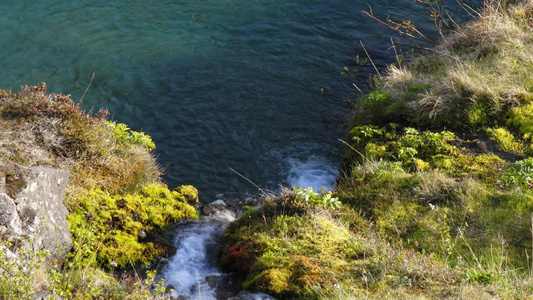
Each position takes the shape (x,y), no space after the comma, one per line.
(193,271)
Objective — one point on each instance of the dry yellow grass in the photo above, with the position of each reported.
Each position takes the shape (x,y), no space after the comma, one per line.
(45,129)
(483,65)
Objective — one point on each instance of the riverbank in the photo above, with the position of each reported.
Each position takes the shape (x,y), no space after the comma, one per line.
(435,186)
(118,208)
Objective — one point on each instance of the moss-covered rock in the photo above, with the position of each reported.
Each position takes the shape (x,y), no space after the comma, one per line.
(309,253)
(114,228)
(117,203)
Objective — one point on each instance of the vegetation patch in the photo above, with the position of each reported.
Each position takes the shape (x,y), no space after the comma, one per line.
(118,206)
(446,170)
(115,230)
(295,249)
(47,129)
(435,189)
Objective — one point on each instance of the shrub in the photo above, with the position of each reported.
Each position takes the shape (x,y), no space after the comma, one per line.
(19,269)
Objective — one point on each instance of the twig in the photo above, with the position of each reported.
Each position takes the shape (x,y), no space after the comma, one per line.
(472,11)
(396,53)
(370,58)
(260,189)
(354,149)
(357,88)
(92,78)
(469,248)
(399,26)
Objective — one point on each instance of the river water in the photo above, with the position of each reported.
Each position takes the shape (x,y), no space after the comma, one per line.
(251,85)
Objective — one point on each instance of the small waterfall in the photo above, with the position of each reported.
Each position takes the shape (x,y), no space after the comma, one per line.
(193,272)
(187,270)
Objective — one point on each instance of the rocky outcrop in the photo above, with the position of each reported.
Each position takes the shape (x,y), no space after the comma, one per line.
(32,211)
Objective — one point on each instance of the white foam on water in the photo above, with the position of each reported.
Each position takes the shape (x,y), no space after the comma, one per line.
(316,172)
(195,258)
(188,268)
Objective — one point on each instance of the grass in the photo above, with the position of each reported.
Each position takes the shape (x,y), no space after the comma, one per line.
(39,128)
(471,79)
(298,250)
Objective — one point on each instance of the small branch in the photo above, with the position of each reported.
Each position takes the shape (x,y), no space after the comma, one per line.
(260,189)
(360,91)
(92,78)
(370,58)
(396,53)
(404,28)
(342,141)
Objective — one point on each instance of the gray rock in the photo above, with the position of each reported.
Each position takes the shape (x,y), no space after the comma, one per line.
(220,210)
(44,295)
(244,295)
(32,210)
(224,285)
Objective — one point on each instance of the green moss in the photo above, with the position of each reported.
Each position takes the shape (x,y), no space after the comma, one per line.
(478,114)
(115,224)
(311,252)
(520,118)
(505,140)
(189,192)
(275,280)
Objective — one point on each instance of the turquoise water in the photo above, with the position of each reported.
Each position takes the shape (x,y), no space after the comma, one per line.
(217,84)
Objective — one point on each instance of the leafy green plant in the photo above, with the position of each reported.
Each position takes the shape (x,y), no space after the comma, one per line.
(518,173)
(376,99)
(150,287)
(309,196)
(476,275)
(122,133)
(19,265)
(365,132)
